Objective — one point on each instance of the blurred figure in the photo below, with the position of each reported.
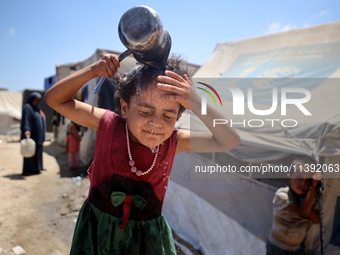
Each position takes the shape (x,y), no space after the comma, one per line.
(55,124)
(73,145)
(295,210)
(33,126)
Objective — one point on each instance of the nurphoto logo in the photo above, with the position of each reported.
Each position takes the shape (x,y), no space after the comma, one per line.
(281,97)
(204,99)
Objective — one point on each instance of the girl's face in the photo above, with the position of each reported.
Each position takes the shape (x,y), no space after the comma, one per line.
(300,182)
(151,120)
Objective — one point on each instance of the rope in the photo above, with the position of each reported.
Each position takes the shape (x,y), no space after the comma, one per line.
(321,186)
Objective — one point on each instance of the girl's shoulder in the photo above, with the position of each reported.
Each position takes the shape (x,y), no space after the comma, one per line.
(111,125)
(109,115)
(110,118)
(283,197)
(282,192)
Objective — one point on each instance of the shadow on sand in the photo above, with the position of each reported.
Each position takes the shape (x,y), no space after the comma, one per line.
(59,153)
(15,176)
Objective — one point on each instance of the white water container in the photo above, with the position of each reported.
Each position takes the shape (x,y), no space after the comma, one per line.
(27,147)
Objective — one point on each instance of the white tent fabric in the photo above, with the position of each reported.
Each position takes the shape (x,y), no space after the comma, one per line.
(205,227)
(224,214)
(270,47)
(10,109)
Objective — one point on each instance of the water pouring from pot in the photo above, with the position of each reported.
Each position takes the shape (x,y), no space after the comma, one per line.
(141,31)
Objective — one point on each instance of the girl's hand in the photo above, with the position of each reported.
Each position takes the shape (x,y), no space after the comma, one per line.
(317,177)
(180,88)
(106,66)
(61,95)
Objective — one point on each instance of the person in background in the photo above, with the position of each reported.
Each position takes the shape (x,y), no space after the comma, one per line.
(294,210)
(33,126)
(73,145)
(55,124)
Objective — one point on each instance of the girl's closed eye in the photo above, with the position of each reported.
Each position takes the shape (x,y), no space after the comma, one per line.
(169,116)
(146,112)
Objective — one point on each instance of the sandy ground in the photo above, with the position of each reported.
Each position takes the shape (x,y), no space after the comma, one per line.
(39,212)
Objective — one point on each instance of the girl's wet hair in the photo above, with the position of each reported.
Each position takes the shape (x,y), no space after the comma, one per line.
(141,76)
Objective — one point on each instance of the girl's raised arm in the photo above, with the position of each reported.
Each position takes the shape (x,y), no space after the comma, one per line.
(60,96)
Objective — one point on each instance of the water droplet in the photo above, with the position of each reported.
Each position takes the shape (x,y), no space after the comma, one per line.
(130,75)
(153,149)
(138,90)
(165,187)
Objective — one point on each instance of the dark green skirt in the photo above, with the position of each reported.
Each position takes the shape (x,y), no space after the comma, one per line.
(97,233)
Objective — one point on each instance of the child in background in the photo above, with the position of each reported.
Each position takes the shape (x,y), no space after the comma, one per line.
(134,154)
(294,210)
(73,145)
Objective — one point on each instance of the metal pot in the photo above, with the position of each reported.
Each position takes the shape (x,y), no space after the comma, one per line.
(141,31)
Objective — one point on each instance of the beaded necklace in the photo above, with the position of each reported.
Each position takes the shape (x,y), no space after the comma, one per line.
(132,162)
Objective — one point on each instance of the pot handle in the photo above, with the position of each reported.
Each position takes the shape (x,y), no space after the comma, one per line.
(101,81)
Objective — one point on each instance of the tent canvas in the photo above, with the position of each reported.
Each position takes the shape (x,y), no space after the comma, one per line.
(11,103)
(10,110)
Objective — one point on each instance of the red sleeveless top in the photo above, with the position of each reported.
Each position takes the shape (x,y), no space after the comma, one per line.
(111,156)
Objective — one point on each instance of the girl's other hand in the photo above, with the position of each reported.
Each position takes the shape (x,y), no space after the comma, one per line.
(180,88)
(317,177)
(106,66)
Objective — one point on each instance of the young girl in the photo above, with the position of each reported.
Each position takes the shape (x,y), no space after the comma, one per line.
(73,145)
(134,154)
(294,210)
